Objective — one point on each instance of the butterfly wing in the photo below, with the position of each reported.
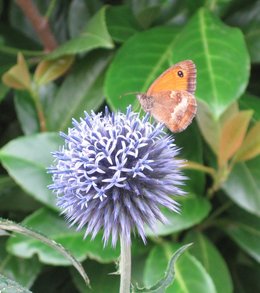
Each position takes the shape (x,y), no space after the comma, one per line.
(176,109)
(181,76)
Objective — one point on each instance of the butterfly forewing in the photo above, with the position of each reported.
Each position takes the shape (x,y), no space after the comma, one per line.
(181,76)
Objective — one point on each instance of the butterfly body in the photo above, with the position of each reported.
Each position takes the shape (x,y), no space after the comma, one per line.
(170,99)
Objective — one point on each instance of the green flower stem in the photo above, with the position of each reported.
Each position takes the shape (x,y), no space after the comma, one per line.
(125,266)
(39,109)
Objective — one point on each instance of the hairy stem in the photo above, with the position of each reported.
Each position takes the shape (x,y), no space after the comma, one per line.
(125,266)
(39,23)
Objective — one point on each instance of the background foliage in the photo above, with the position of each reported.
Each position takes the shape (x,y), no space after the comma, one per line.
(93,54)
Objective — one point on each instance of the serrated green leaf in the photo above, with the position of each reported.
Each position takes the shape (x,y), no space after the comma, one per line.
(49,223)
(10,286)
(190,276)
(24,271)
(193,210)
(26,160)
(20,229)
(169,276)
(95,35)
(215,49)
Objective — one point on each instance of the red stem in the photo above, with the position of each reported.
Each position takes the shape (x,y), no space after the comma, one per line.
(39,23)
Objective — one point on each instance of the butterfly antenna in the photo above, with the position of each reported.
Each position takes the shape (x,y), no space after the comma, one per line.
(129,93)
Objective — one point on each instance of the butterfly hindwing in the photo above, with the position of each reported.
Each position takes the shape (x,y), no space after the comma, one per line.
(175,109)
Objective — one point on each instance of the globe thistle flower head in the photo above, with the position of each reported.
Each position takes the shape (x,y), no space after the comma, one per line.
(114,173)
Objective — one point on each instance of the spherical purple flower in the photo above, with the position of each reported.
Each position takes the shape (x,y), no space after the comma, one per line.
(114,173)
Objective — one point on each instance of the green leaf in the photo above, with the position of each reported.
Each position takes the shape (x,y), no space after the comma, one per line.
(190,276)
(121,23)
(13,198)
(243,185)
(26,160)
(247,17)
(20,229)
(49,70)
(244,230)
(102,277)
(94,36)
(212,261)
(79,12)
(10,286)
(26,112)
(193,210)
(248,102)
(192,152)
(24,271)
(49,223)
(3,91)
(169,276)
(137,64)
(81,91)
(204,39)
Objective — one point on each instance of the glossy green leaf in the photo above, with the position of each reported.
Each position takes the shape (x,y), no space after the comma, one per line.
(193,210)
(81,91)
(243,185)
(209,256)
(137,64)
(190,276)
(94,36)
(215,48)
(244,230)
(79,13)
(192,152)
(248,102)
(23,271)
(55,226)
(9,286)
(209,126)
(248,19)
(26,160)
(169,276)
(102,277)
(121,23)
(26,112)
(28,232)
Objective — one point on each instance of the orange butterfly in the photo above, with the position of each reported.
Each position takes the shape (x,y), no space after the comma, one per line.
(170,99)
